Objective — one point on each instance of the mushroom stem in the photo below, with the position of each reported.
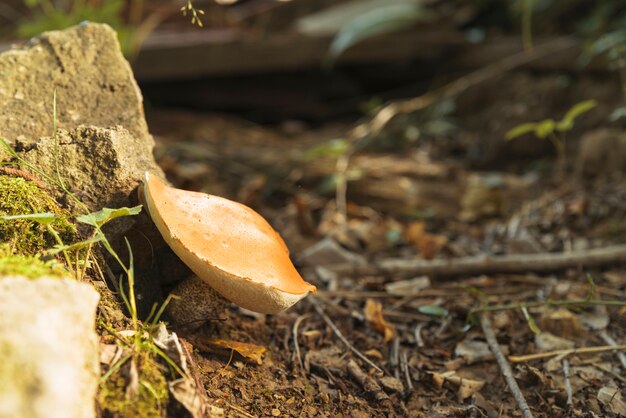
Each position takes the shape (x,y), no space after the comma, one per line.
(194,303)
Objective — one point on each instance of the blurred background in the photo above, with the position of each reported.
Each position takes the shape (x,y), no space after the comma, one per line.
(257,99)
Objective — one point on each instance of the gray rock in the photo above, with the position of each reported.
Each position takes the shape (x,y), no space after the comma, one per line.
(101,166)
(49,364)
(94,83)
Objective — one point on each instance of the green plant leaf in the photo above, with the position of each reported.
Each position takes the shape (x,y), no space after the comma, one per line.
(520,130)
(567,122)
(374,22)
(333,149)
(545,128)
(578,109)
(45,218)
(104,215)
(433,310)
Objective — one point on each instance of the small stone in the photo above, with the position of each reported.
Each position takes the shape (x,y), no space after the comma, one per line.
(275,412)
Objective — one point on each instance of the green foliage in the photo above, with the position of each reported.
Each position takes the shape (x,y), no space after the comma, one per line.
(331,149)
(567,123)
(48,16)
(105,215)
(43,218)
(150,396)
(548,127)
(433,310)
(532,325)
(379,20)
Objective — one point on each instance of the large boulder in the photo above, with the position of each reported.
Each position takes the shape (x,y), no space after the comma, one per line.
(93,81)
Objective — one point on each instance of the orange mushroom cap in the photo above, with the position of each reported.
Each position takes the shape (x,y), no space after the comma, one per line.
(228,245)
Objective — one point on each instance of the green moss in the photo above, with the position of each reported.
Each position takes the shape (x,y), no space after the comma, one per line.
(21,197)
(30,266)
(150,399)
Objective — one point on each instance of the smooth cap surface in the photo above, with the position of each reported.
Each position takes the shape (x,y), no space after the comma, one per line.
(228,245)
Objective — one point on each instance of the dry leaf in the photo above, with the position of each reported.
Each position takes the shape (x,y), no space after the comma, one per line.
(562,323)
(170,344)
(466,387)
(612,399)
(250,351)
(428,244)
(187,394)
(440,378)
(374,315)
(374,353)
(473,351)
(547,341)
(407,287)
(108,353)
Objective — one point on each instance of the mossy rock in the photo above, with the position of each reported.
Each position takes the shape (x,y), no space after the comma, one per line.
(150,398)
(22,197)
(29,266)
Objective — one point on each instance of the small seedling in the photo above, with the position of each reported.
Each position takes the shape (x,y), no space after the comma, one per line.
(554,131)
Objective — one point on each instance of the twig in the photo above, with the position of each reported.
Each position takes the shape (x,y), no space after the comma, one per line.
(394,357)
(549,302)
(467,266)
(505,368)
(404,365)
(566,352)
(366,381)
(296,346)
(610,341)
(338,333)
(568,383)
(418,334)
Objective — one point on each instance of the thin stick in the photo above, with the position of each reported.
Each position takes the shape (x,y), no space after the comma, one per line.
(418,334)
(404,365)
(566,352)
(468,266)
(568,383)
(366,381)
(505,368)
(296,346)
(338,333)
(549,302)
(610,341)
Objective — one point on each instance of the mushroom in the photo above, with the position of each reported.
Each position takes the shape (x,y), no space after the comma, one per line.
(230,247)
